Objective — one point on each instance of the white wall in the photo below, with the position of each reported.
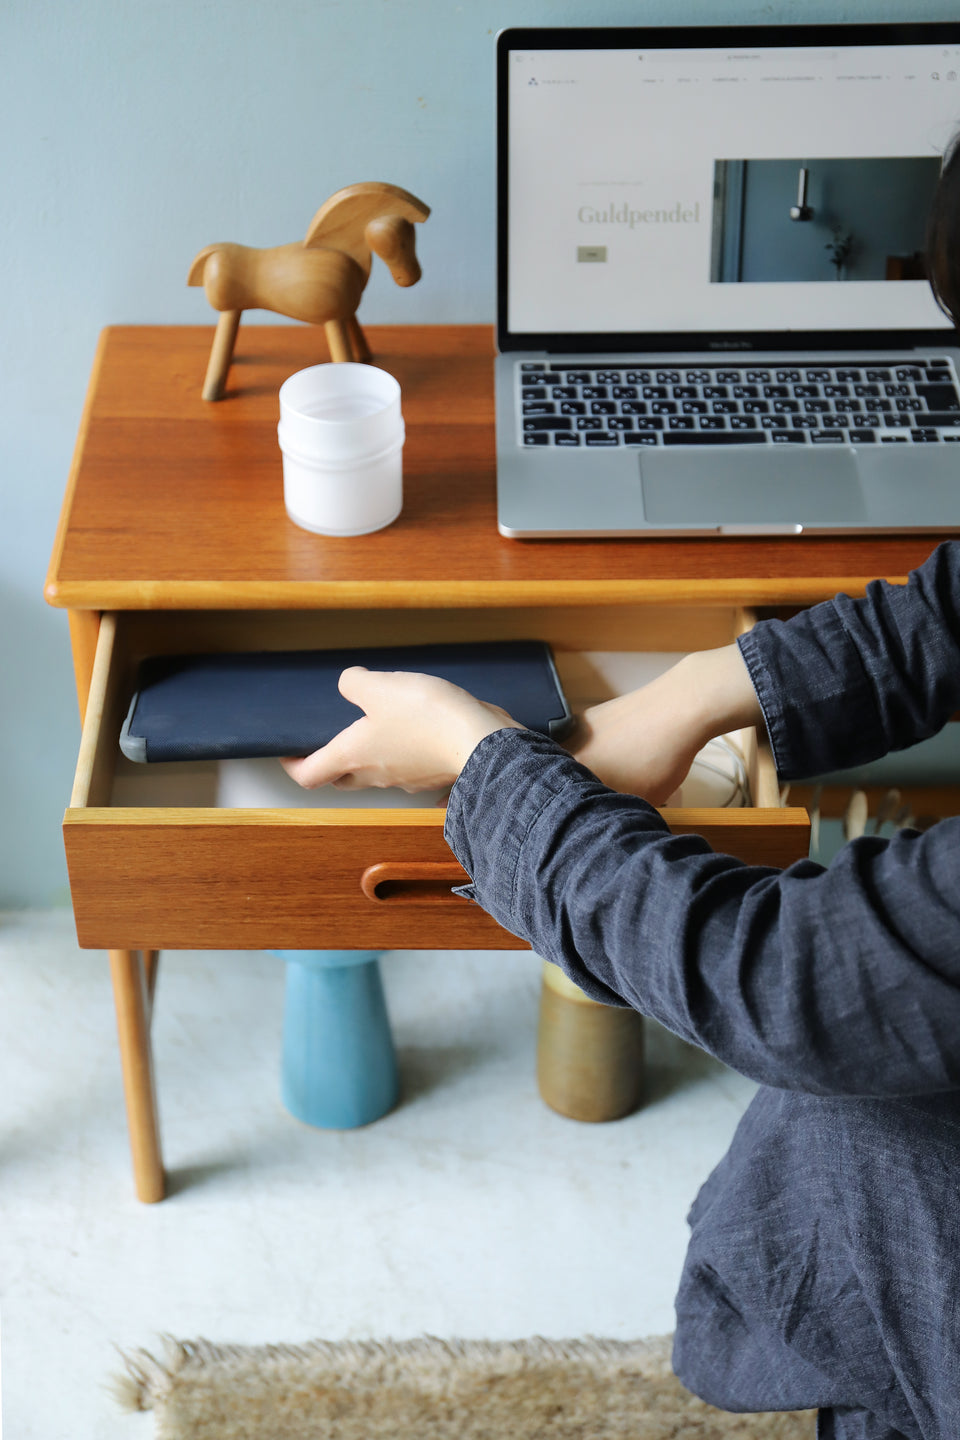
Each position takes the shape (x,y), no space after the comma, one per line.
(132,134)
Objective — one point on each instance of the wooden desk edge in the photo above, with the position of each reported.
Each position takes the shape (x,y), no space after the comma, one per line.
(420,594)
(66,507)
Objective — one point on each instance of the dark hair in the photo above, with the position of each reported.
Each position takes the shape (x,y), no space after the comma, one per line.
(943,235)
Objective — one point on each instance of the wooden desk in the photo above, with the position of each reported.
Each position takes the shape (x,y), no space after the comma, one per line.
(173,536)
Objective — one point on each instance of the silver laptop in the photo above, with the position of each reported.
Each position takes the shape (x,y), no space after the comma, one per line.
(713,316)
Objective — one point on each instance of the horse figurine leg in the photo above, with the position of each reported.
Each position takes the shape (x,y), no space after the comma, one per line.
(338,339)
(221,354)
(361,349)
(347,341)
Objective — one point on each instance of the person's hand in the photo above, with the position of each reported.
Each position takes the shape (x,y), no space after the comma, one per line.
(416,733)
(644,743)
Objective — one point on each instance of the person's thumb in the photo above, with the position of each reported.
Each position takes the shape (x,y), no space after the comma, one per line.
(353,684)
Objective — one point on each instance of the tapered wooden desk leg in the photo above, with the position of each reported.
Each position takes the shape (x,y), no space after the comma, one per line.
(338,339)
(131,999)
(589,1056)
(221,354)
(358,341)
(151,966)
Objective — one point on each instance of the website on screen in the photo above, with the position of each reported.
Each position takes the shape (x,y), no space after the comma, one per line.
(741,189)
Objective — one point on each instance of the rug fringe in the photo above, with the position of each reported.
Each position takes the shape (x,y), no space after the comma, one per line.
(147,1379)
(127,1392)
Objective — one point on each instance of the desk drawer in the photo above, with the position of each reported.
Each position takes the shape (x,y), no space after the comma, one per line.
(189,874)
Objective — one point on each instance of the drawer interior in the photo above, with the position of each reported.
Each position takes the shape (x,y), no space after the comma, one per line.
(598,654)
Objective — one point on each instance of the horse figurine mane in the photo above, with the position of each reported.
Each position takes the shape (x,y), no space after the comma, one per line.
(320,279)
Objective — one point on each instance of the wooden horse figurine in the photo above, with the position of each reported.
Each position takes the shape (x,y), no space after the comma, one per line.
(319,280)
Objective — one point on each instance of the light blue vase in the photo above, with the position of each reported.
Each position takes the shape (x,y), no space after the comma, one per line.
(339,1062)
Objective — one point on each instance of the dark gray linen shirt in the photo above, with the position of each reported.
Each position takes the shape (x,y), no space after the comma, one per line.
(824,1261)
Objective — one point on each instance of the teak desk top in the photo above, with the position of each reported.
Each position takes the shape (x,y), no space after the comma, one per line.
(177,503)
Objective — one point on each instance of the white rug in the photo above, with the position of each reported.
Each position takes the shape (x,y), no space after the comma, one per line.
(430,1389)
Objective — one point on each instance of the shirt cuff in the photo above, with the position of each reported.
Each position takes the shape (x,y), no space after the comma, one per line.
(501,750)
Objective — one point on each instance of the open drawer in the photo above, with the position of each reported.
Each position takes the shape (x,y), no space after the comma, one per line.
(182,872)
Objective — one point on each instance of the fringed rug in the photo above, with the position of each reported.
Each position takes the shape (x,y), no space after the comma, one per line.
(431,1389)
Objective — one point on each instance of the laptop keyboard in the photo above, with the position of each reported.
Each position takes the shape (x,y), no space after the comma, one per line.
(889,402)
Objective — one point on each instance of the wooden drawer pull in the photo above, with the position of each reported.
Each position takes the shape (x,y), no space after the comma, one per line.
(414,882)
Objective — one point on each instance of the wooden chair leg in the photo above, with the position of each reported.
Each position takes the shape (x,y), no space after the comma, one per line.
(132,1001)
(589,1056)
(221,354)
(338,339)
(358,342)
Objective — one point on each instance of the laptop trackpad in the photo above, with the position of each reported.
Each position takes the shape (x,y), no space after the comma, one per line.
(778,486)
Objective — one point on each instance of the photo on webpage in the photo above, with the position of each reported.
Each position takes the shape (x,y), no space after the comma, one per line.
(815,219)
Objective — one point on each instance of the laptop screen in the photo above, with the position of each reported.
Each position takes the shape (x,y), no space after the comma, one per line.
(727,187)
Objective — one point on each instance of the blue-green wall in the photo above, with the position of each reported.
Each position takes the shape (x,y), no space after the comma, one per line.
(133,133)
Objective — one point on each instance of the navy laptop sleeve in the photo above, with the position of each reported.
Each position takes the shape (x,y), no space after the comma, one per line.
(273,703)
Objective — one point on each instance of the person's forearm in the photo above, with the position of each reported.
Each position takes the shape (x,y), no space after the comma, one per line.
(645,741)
(723,696)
